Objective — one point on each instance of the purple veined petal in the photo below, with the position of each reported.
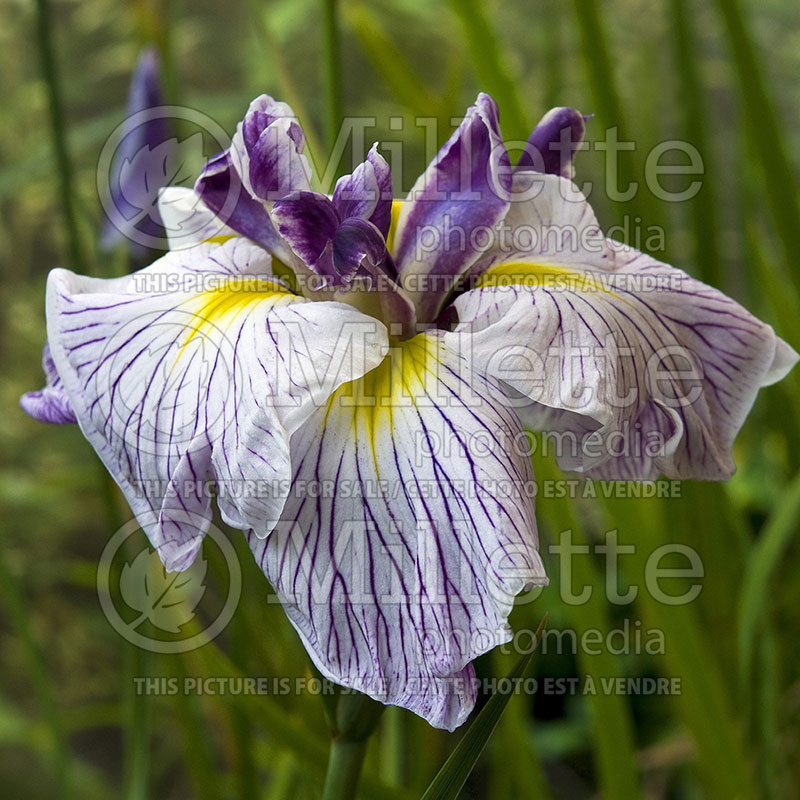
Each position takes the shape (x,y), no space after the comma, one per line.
(407,569)
(136,171)
(447,220)
(308,222)
(267,151)
(276,167)
(357,244)
(554,141)
(367,192)
(195,372)
(549,221)
(662,368)
(220,188)
(263,111)
(51,403)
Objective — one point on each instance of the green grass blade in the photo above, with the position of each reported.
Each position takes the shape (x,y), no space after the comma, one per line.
(332,69)
(612,725)
(600,76)
(285,732)
(452,776)
(43,685)
(702,209)
(490,66)
(763,127)
(702,704)
(59,135)
(196,736)
(137,726)
(599,69)
(285,78)
(762,562)
(389,61)
(513,744)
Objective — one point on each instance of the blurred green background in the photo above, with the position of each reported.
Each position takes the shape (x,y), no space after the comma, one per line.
(722,75)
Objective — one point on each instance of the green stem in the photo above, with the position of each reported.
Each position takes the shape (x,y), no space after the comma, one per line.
(344,769)
(353,717)
(137,733)
(331,48)
(49,72)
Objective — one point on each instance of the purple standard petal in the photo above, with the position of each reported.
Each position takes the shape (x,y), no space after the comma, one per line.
(267,151)
(51,403)
(367,193)
(447,220)
(554,142)
(263,111)
(408,571)
(139,167)
(334,249)
(220,188)
(307,221)
(357,244)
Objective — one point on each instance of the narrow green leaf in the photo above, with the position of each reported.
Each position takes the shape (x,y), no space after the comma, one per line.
(552,47)
(389,61)
(332,69)
(765,557)
(50,72)
(600,75)
(490,66)
(17,609)
(137,726)
(452,776)
(282,727)
(763,127)
(136,732)
(612,723)
(702,209)
(513,744)
(284,778)
(283,72)
(392,749)
(702,703)
(197,739)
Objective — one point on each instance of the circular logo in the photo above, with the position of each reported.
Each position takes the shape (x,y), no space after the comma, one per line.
(141,156)
(160,611)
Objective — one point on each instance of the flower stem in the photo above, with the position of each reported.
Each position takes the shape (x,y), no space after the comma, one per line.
(49,72)
(353,717)
(344,769)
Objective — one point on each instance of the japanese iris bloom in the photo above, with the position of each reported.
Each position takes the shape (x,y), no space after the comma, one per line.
(353,376)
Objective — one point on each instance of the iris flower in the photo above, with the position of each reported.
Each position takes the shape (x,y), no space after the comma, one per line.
(351,377)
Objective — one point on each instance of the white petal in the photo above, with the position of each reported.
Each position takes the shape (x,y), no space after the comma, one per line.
(187,220)
(408,532)
(665,366)
(550,222)
(194,372)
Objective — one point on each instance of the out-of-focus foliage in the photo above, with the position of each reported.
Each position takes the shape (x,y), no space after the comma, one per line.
(672,70)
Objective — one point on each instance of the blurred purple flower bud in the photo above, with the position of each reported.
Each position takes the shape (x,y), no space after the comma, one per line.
(144,162)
